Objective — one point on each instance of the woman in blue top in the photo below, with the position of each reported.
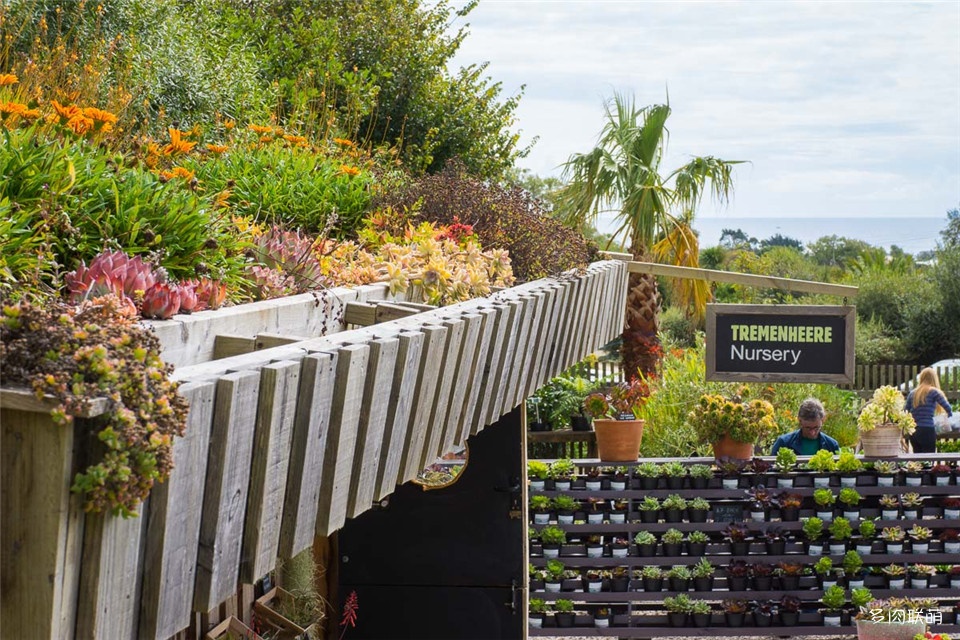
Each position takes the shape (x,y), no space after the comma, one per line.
(922,403)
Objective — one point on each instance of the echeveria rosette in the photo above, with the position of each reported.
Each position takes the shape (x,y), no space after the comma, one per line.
(886,407)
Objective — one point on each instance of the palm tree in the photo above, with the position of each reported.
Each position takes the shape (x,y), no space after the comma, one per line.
(654,212)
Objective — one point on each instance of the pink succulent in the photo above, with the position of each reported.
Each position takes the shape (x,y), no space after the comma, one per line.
(110,272)
(161,301)
(210,293)
(188,297)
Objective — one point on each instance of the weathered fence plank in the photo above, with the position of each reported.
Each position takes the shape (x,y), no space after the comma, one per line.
(276,410)
(310,430)
(398,411)
(173,529)
(435,338)
(461,375)
(476,374)
(225,493)
(447,372)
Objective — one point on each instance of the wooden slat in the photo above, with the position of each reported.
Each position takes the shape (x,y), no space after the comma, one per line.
(435,338)
(276,410)
(310,430)
(341,439)
(564,322)
(173,529)
(574,309)
(226,346)
(398,411)
(462,382)
(415,305)
(227,483)
(477,374)
(360,313)
(373,415)
(26,400)
(584,336)
(110,577)
(556,298)
(540,345)
(270,340)
(512,374)
(387,312)
(528,353)
(41,526)
(441,402)
(491,365)
(765,282)
(505,330)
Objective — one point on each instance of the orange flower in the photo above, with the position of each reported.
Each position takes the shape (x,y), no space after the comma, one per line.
(8,109)
(103,120)
(80,124)
(216,148)
(266,139)
(350,171)
(6,79)
(343,142)
(177,143)
(258,129)
(229,124)
(295,140)
(177,172)
(65,113)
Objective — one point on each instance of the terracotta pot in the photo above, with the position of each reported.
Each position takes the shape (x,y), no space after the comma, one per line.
(618,440)
(725,447)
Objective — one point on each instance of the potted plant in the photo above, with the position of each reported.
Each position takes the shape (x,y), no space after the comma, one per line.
(619,480)
(833,600)
(540,506)
(886,471)
(697,509)
(893,537)
(737,534)
(734,610)
(679,577)
(951,508)
(789,610)
(813,532)
(759,468)
(673,507)
(652,578)
(565,507)
(941,474)
(593,580)
(823,569)
(920,538)
(592,480)
(824,499)
(850,499)
(553,579)
(883,423)
(678,608)
(619,547)
(786,462)
(763,612)
(616,419)
(954,574)
(231,629)
(790,506)
(552,538)
(700,475)
(860,597)
(535,616)
(853,568)
(822,463)
(649,510)
(912,473)
(889,507)
(840,532)
(702,574)
(896,574)
(620,579)
(738,574)
(920,575)
(537,472)
(951,540)
(601,618)
(911,503)
(594,546)
(849,465)
(867,530)
(762,575)
(675,473)
(775,541)
(883,619)
(646,544)
(732,427)
(760,500)
(789,574)
(563,612)
(697,543)
(701,612)
(672,541)
(561,472)
(596,510)
(536,577)
(533,409)
(649,473)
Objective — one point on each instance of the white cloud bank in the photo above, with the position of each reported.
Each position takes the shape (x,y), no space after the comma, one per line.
(842,108)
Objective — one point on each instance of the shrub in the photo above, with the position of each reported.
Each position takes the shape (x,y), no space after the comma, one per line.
(678,328)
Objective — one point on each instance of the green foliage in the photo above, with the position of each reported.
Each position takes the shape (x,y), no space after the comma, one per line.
(99,350)
(21,248)
(502,218)
(786,459)
(875,344)
(678,328)
(834,598)
(715,416)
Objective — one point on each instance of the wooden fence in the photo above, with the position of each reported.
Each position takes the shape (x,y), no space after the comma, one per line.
(283,444)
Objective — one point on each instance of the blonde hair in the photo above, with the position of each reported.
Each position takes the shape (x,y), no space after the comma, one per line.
(928,382)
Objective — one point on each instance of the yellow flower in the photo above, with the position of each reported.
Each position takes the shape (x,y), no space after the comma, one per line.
(8,109)
(6,79)
(229,124)
(348,170)
(177,143)
(343,142)
(259,129)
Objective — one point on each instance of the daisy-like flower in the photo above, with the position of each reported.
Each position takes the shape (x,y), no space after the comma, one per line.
(102,120)
(7,79)
(80,124)
(217,148)
(177,144)
(64,113)
(343,142)
(11,109)
(348,170)
(260,130)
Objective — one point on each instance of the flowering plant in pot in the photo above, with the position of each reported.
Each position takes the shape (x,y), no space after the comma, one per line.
(920,575)
(896,575)
(911,503)
(920,538)
(894,537)
(790,506)
(724,423)
(886,471)
(616,419)
(883,423)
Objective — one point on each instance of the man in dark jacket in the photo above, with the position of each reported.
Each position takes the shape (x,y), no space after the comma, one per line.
(808,439)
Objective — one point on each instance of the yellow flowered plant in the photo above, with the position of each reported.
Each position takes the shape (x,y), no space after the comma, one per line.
(886,407)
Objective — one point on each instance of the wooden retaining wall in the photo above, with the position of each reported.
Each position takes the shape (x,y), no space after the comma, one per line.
(283,444)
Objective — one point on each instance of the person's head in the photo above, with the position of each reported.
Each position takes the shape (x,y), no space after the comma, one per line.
(810,415)
(928,380)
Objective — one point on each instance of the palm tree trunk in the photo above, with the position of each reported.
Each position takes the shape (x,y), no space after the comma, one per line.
(641,351)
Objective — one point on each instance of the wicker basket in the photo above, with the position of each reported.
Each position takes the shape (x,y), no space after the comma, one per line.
(885,441)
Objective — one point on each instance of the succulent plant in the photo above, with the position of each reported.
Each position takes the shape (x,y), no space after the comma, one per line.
(161,301)
(111,272)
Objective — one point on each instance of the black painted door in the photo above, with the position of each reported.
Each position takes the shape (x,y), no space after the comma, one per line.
(445,563)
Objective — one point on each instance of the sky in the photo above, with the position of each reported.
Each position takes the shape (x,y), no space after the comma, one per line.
(843,109)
